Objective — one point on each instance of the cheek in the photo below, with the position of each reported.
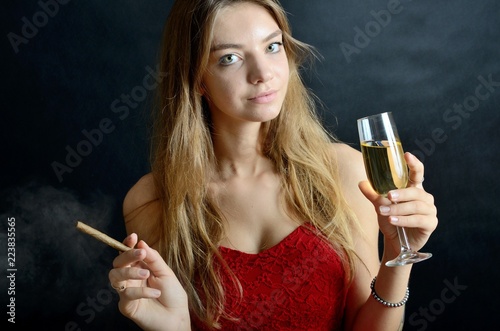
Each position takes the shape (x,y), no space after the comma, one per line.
(284,75)
(219,97)
(221,90)
(285,71)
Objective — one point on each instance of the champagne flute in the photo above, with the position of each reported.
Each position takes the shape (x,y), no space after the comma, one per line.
(386,169)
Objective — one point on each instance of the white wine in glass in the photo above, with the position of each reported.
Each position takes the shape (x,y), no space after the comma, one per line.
(387,170)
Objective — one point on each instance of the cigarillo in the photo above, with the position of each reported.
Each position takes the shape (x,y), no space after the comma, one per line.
(102,237)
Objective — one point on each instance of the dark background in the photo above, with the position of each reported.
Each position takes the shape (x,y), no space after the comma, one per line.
(422,60)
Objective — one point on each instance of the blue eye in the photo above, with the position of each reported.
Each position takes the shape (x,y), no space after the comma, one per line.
(228,59)
(274,47)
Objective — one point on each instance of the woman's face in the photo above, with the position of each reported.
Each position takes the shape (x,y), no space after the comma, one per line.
(247,75)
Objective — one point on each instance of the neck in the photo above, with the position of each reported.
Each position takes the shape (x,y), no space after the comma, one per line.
(239,151)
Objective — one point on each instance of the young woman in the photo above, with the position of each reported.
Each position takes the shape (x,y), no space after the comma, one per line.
(253,217)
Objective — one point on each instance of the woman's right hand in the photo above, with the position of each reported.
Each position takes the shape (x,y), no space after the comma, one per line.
(150,293)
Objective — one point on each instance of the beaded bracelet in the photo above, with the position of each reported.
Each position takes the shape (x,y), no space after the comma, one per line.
(386,303)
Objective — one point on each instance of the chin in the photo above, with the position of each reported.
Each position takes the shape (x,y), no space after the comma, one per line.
(268,115)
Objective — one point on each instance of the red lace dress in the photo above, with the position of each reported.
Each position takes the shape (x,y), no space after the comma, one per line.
(298,284)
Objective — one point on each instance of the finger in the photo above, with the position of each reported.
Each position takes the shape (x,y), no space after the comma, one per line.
(119,287)
(129,257)
(134,293)
(416,175)
(154,261)
(422,222)
(415,207)
(116,280)
(371,194)
(121,275)
(123,278)
(131,240)
(409,194)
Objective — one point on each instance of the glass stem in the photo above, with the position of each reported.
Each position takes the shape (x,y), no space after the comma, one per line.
(403,240)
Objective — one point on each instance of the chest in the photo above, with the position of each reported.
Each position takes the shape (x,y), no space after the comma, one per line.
(297,284)
(239,198)
(255,212)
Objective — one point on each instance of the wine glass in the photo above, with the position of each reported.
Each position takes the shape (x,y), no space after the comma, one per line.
(387,170)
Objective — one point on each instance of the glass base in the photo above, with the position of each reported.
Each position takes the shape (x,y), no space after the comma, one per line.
(410,257)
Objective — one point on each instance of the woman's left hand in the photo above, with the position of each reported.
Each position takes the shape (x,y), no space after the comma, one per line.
(411,207)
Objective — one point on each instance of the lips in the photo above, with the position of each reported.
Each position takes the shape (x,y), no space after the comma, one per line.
(264,97)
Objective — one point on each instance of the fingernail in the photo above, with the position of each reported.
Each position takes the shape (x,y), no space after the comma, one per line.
(393,195)
(143,272)
(155,293)
(393,219)
(384,209)
(137,252)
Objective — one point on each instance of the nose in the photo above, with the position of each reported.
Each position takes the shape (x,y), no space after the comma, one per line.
(260,70)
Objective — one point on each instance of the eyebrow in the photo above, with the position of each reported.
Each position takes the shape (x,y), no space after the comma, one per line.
(218,47)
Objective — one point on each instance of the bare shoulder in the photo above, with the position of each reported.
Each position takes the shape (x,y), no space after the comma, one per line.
(142,210)
(140,193)
(350,163)
(351,173)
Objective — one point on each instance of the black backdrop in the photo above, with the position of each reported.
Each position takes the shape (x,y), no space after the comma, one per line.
(76,83)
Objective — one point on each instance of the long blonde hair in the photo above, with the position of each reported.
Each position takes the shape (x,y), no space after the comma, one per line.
(183,157)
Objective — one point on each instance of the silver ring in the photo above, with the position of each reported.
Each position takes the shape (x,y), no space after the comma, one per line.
(120,288)
(420,182)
